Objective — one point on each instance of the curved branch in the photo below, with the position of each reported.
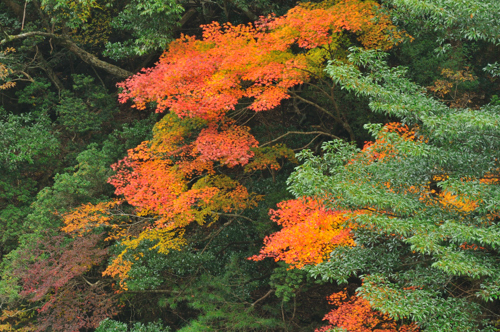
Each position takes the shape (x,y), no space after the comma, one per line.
(300,133)
(245,10)
(67,43)
(307,145)
(233,215)
(262,298)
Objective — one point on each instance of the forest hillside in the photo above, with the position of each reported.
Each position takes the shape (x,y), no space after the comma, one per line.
(249,165)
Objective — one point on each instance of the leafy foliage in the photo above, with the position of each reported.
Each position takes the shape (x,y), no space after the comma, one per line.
(207,78)
(53,271)
(309,233)
(355,314)
(408,221)
(430,193)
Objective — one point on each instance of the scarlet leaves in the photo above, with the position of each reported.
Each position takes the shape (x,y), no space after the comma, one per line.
(157,177)
(181,175)
(230,145)
(168,183)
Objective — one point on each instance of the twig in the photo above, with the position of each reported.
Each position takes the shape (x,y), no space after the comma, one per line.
(89,283)
(99,77)
(233,215)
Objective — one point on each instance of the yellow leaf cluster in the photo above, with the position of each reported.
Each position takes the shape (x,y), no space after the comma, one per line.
(5,71)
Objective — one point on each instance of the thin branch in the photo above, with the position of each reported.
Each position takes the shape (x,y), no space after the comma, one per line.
(262,298)
(233,215)
(305,146)
(89,283)
(328,95)
(212,236)
(26,35)
(300,133)
(99,77)
(24,14)
(316,105)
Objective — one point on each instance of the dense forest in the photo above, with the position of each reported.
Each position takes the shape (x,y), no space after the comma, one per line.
(250,165)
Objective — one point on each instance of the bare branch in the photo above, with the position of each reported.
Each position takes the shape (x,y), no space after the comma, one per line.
(67,43)
(316,105)
(305,146)
(262,298)
(233,215)
(300,133)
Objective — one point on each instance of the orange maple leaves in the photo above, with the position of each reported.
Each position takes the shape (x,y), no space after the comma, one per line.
(157,177)
(311,25)
(207,78)
(178,177)
(229,145)
(310,232)
(356,315)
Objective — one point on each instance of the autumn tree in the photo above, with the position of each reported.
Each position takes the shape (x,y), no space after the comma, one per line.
(180,176)
(426,202)
(208,78)
(56,273)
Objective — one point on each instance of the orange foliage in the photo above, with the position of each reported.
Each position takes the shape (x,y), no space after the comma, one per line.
(310,232)
(207,78)
(448,90)
(5,71)
(177,178)
(382,148)
(157,177)
(311,25)
(229,145)
(89,216)
(356,315)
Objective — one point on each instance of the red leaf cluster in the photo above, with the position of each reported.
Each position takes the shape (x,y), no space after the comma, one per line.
(53,272)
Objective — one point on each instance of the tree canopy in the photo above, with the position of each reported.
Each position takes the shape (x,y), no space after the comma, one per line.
(249,165)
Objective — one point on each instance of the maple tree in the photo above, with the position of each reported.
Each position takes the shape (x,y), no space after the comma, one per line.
(156,179)
(53,273)
(208,78)
(176,178)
